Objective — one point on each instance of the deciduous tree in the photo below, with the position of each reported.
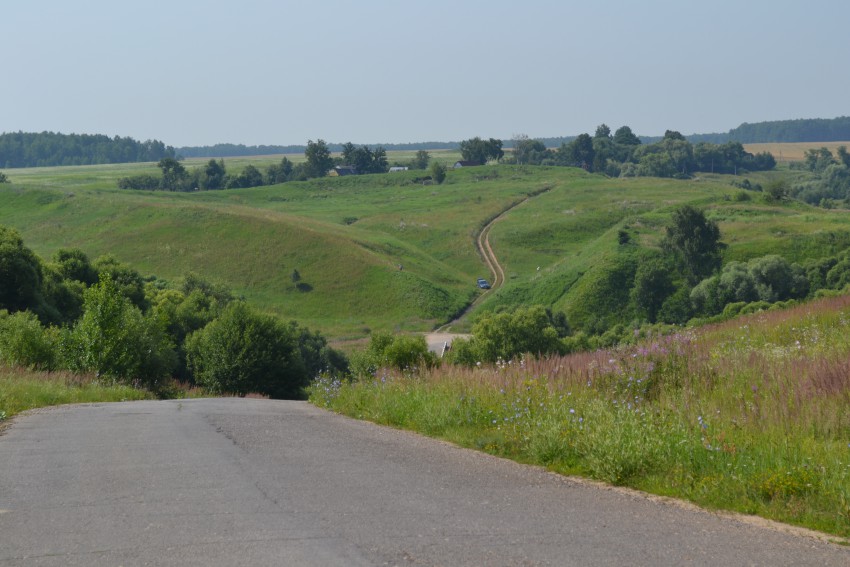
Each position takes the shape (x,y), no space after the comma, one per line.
(319,160)
(695,242)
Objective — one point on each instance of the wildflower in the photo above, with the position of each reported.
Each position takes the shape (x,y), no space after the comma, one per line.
(572,410)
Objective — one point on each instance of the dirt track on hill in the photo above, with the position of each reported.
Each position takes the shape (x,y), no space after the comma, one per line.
(497,271)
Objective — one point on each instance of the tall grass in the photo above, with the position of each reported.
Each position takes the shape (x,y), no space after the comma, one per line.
(21,390)
(751,415)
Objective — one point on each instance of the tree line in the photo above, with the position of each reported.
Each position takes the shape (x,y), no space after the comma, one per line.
(104,317)
(829,185)
(318,162)
(623,154)
(237,150)
(800,130)
(22,149)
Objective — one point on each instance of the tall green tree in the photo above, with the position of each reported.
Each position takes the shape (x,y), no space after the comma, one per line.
(578,153)
(74,265)
(174,175)
(214,175)
(420,160)
(481,151)
(694,241)
(279,172)
(652,286)
(624,136)
(115,340)
(21,273)
(602,131)
(319,160)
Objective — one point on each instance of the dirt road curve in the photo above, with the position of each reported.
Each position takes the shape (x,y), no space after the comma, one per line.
(261,482)
(482,243)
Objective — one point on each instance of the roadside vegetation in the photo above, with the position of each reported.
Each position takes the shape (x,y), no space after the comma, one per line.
(751,415)
(106,329)
(22,389)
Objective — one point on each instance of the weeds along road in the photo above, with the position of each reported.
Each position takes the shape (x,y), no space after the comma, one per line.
(261,482)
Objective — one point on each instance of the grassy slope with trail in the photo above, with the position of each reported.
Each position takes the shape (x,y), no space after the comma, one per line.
(348,236)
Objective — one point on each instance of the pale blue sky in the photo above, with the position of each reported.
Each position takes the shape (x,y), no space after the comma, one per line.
(196,72)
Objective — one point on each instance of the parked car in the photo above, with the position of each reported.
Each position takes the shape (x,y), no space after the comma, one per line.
(483,284)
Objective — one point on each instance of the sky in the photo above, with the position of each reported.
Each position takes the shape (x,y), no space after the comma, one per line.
(201,72)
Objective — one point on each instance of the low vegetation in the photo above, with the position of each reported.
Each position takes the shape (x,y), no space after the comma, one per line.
(22,389)
(103,318)
(751,415)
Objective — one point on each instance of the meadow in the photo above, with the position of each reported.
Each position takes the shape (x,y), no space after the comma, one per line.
(752,415)
(385,252)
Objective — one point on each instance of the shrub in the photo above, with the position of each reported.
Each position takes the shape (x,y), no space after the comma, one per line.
(24,342)
(438,172)
(114,339)
(244,351)
(509,335)
(399,351)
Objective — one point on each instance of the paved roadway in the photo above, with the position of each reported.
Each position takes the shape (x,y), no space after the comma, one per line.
(259,482)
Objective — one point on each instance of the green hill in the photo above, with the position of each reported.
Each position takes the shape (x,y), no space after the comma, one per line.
(347,237)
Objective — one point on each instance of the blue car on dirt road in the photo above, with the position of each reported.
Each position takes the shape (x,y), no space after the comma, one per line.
(483,284)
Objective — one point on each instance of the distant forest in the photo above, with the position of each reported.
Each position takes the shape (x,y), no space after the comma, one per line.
(22,149)
(799,130)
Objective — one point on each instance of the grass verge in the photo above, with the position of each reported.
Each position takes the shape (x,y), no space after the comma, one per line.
(752,415)
(22,390)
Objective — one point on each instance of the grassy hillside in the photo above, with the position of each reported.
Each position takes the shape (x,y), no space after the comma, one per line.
(347,237)
(571,234)
(750,415)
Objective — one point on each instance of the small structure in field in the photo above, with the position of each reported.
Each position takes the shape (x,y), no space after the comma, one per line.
(342,170)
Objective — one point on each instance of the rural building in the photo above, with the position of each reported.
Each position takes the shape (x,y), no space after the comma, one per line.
(342,170)
(398,168)
(459,164)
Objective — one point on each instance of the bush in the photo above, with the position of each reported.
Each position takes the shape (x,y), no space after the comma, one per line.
(244,351)
(24,342)
(139,182)
(114,339)
(527,330)
(438,172)
(392,351)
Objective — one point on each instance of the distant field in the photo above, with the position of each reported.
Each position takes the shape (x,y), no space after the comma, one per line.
(444,156)
(792,151)
(386,252)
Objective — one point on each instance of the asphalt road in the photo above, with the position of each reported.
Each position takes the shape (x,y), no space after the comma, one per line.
(259,482)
